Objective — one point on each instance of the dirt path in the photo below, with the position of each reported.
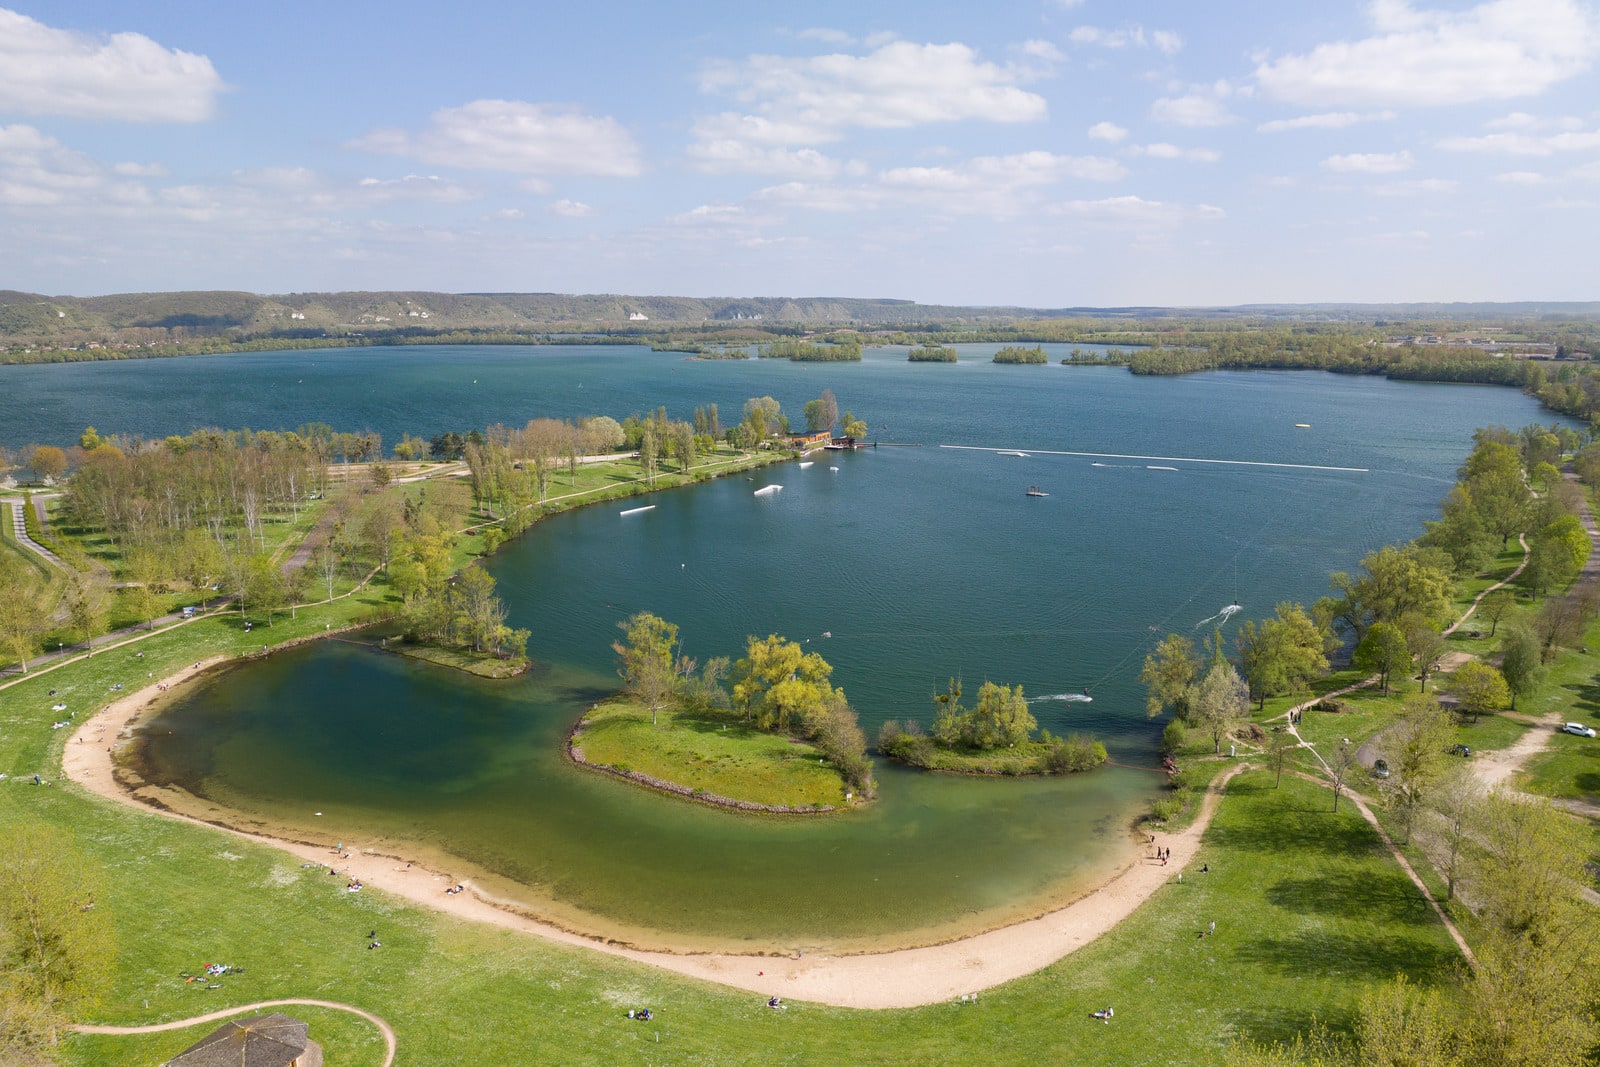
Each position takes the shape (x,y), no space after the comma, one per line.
(899,979)
(227,1013)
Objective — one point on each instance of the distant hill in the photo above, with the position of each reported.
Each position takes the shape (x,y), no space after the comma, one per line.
(129,324)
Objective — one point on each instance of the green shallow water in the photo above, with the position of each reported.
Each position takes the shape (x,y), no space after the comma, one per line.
(921,562)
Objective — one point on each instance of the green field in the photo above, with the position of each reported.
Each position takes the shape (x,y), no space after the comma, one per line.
(712,754)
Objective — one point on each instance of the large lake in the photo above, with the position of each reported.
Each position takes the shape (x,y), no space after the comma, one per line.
(922,562)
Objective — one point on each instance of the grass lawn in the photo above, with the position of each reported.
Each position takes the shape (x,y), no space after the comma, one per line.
(483,664)
(711,754)
(1310,912)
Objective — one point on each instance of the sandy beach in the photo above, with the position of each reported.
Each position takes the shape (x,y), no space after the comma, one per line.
(899,979)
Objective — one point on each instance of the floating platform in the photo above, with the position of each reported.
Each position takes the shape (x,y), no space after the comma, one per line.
(635,511)
(767,490)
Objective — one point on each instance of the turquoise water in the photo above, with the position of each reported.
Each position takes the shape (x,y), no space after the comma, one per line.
(921,562)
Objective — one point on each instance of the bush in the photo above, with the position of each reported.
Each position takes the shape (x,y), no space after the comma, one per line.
(1069,755)
(1168,808)
(1172,738)
(906,743)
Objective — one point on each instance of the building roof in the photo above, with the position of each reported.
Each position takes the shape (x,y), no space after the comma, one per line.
(256,1041)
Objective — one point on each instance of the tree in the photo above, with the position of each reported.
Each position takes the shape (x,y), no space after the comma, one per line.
(1280,742)
(26,603)
(1339,766)
(776,682)
(1416,748)
(55,943)
(1494,606)
(1557,554)
(822,412)
(88,606)
(1454,804)
(1284,654)
(853,427)
(1493,476)
(1382,652)
(1169,673)
(1480,688)
(48,462)
(683,444)
(1220,701)
(645,660)
(601,433)
(1426,646)
(140,596)
(1397,582)
(1460,532)
(1521,664)
(263,585)
(1001,718)
(477,616)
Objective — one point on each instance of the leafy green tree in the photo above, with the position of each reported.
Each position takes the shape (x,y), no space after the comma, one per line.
(56,939)
(645,660)
(1493,476)
(1480,688)
(1395,582)
(1557,554)
(1168,676)
(1284,654)
(1460,532)
(1382,652)
(478,615)
(1417,750)
(1521,664)
(853,427)
(48,462)
(777,682)
(1495,605)
(26,604)
(1220,702)
(1280,742)
(264,588)
(1000,719)
(88,606)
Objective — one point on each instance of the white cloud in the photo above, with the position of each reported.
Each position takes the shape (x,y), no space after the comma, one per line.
(1044,50)
(1419,187)
(140,170)
(1193,109)
(731,143)
(1521,120)
(1137,211)
(1498,50)
(1107,131)
(996,186)
(1521,177)
(1326,120)
(506,214)
(814,99)
(127,76)
(515,136)
(1134,36)
(1525,144)
(420,187)
(1370,163)
(826,35)
(572,209)
(1162,150)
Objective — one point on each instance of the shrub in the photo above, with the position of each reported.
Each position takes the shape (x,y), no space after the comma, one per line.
(1172,738)
(1168,808)
(906,743)
(1069,755)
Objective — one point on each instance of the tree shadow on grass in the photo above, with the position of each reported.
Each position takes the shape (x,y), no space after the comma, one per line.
(1295,829)
(1377,897)
(1367,957)
(1269,1026)
(1586,696)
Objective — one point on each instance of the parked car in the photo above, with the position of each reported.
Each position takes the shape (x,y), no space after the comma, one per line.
(1380,768)
(1464,751)
(1578,728)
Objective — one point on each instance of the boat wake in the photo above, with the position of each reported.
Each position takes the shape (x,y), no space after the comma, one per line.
(1222,616)
(1152,467)
(1071,698)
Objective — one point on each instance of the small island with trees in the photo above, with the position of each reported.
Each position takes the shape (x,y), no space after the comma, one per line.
(778,739)
(932,352)
(994,737)
(1018,354)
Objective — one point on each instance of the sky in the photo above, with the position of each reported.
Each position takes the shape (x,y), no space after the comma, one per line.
(1042,153)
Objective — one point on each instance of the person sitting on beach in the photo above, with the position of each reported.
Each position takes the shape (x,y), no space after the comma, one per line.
(774,1002)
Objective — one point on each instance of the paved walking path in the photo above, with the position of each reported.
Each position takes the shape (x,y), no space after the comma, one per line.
(226,1013)
(19,525)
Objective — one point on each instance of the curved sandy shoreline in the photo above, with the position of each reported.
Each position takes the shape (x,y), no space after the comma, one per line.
(899,979)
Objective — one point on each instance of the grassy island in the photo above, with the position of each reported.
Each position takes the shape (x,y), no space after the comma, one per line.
(1015,354)
(931,353)
(995,737)
(783,739)
(708,755)
(483,664)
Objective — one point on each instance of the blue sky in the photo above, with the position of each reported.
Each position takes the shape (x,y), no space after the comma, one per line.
(1043,153)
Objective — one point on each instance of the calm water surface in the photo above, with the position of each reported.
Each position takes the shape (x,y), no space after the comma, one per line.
(922,562)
